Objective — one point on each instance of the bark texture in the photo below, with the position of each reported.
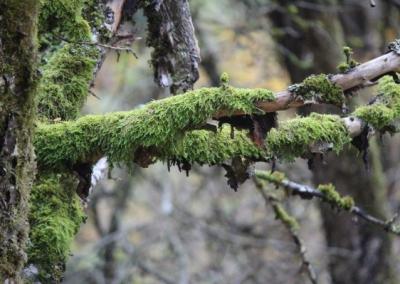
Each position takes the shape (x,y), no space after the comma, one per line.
(176,55)
(17,167)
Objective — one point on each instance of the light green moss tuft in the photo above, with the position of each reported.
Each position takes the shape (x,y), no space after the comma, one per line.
(65,82)
(386,109)
(93,12)
(159,124)
(208,148)
(286,218)
(294,137)
(62,19)
(318,88)
(55,216)
(343,67)
(334,198)
(273,177)
(350,63)
(224,79)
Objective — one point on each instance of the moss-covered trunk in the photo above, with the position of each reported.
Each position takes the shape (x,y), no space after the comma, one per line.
(18,21)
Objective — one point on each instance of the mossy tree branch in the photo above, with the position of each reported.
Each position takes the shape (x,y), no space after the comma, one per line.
(328,194)
(163,130)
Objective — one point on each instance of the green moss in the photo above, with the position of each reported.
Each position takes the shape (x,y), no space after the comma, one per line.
(224,79)
(273,177)
(350,63)
(159,124)
(93,12)
(285,217)
(386,109)
(292,9)
(208,148)
(343,67)
(55,216)
(378,115)
(65,82)
(160,129)
(318,88)
(334,198)
(294,137)
(62,19)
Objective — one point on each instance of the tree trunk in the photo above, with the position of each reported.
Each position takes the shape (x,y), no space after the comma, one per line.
(18,21)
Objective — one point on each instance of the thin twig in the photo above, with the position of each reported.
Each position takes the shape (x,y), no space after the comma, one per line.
(307,192)
(291,224)
(118,49)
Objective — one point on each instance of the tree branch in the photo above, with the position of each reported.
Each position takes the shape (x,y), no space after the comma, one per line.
(163,130)
(291,224)
(329,195)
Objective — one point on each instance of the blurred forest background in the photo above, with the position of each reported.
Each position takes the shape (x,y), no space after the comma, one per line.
(154,226)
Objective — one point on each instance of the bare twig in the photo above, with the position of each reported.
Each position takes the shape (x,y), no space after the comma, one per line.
(291,224)
(106,46)
(308,192)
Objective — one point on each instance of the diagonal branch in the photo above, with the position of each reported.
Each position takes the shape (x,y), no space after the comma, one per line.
(359,77)
(327,194)
(291,224)
(166,130)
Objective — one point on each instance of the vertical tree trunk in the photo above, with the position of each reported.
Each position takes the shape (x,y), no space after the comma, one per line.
(17,168)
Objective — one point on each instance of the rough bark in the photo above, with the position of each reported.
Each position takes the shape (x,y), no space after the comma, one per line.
(56,204)
(176,55)
(17,168)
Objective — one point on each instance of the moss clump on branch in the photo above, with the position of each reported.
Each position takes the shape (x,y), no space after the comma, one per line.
(209,148)
(318,88)
(294,137)
(67,75)
(289,221)
(65,82)
(350,63)
(55,216)
(159,124)
(386,109)
(334,198)
(159,129)
(62,19)
(273,177)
